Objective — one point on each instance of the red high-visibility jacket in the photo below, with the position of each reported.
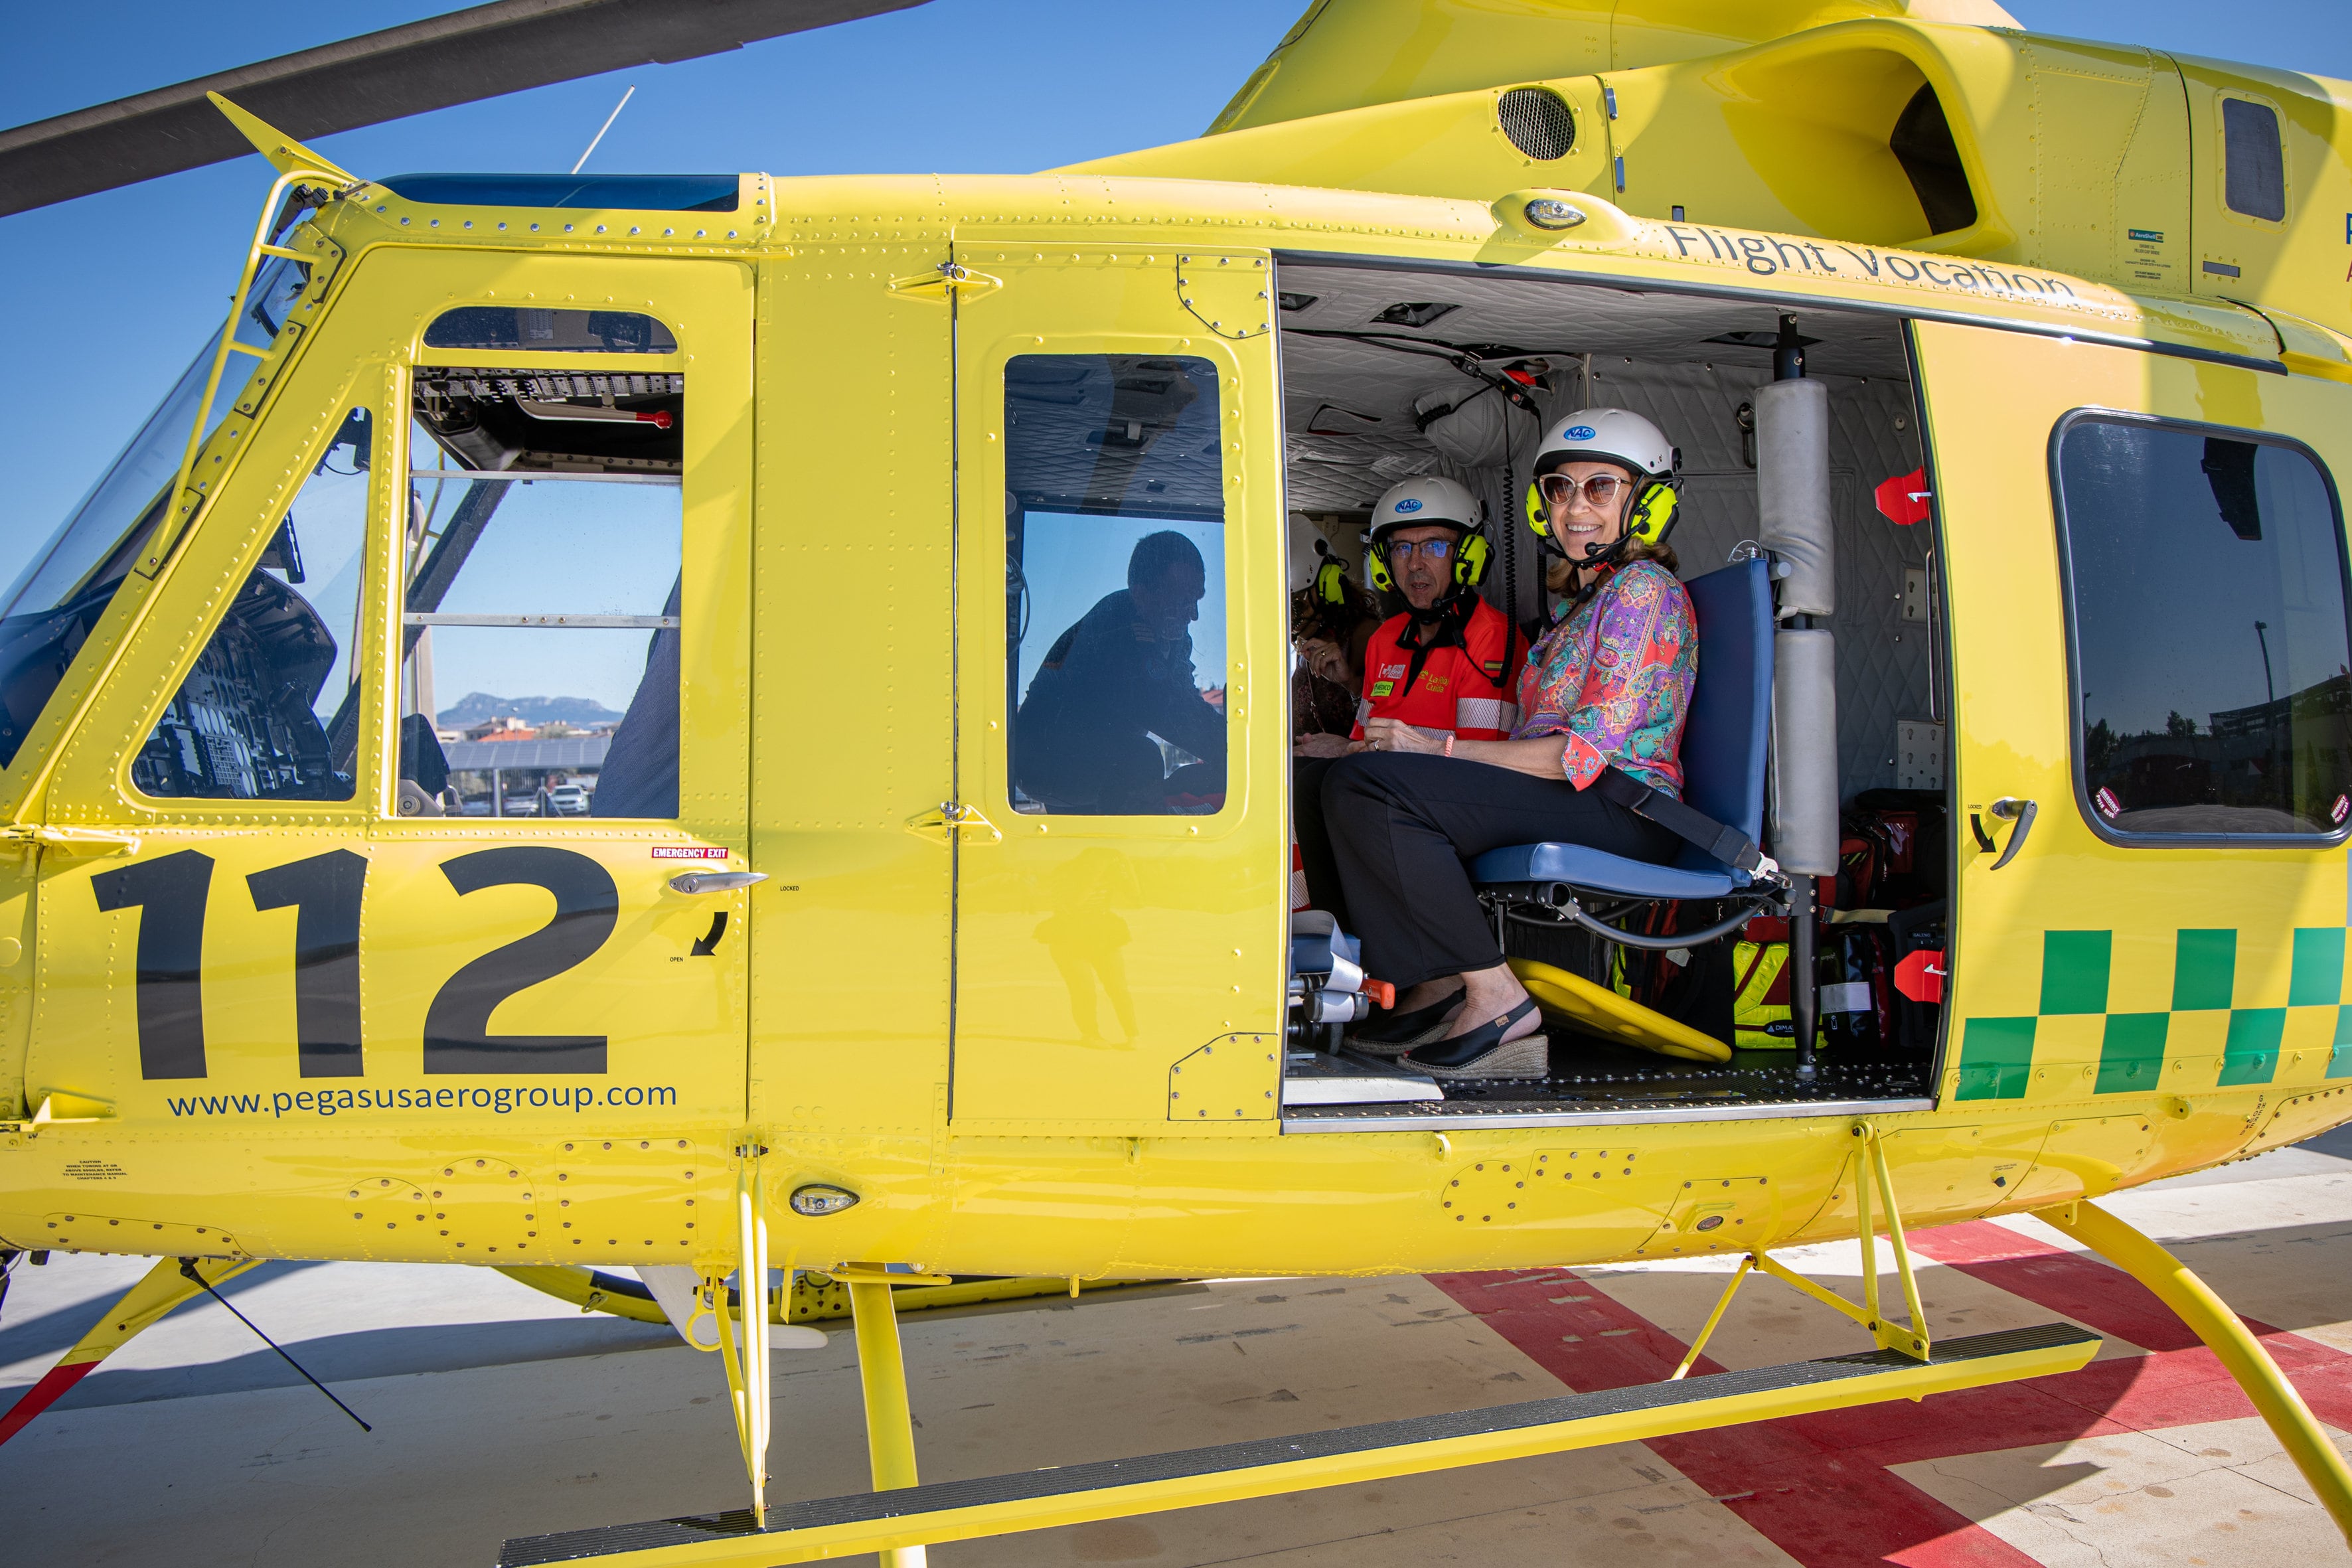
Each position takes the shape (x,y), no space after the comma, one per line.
(1463,684)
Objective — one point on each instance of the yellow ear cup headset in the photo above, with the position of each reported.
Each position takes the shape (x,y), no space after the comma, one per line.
(1330,579)
(1652,518)
(1314,569)
(1615,435)
(1420,503)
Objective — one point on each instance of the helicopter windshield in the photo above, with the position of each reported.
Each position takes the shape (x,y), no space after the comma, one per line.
(57,599)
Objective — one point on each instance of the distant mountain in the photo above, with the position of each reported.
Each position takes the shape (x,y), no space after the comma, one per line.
(477,706)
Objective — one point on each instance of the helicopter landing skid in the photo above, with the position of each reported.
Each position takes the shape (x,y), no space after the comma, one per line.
(2225,1333)
(1116,1489)
(172,1280)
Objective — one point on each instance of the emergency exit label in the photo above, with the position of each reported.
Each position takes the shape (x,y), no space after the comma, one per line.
(688,852)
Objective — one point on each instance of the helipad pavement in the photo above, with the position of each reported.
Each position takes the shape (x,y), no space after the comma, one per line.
(500,1412)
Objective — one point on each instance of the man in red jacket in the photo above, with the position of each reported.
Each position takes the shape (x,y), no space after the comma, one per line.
(1447,665)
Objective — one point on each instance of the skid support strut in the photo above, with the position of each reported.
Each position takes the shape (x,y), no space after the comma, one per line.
(161,1290)
(2243,1355)
(1871,1174)
(890,1421)
(743,1337)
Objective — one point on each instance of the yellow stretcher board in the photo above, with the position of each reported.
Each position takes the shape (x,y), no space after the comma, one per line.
(1603,1011)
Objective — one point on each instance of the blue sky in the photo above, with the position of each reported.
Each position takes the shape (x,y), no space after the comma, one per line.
(107,297)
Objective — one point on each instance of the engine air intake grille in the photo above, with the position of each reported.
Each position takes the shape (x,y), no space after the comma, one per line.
(1538,121)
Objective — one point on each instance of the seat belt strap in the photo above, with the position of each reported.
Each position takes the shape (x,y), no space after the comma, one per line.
(1726,843)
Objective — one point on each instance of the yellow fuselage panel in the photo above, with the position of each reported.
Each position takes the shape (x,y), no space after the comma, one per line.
(840,500)
(2100,161)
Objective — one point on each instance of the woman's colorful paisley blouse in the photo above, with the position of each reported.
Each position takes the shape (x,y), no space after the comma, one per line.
(1615,678)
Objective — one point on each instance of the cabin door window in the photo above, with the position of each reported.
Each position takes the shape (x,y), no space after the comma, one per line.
(2206,612)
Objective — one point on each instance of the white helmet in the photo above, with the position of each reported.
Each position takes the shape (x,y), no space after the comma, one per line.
(1307,550)
(1608,435)
(1418,503)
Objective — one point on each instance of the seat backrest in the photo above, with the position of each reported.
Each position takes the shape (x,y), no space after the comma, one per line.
(1724,736)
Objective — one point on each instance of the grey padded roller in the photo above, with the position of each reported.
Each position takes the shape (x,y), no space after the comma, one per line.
(1804,752)
(1792,492)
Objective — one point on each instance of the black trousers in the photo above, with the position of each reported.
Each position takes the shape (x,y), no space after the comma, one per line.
(1403,829)
(1323,890)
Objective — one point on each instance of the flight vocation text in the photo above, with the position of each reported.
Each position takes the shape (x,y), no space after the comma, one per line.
(1767,256)
(501,1100)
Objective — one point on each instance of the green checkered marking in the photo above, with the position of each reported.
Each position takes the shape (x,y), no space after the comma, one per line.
(2077,970)
(2074,966)
(2252,1052)
(2204,969)
(1996,1059)
(2131,1053)
(2318,967)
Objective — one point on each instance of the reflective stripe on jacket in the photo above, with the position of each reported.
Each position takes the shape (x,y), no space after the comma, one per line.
(1462,684)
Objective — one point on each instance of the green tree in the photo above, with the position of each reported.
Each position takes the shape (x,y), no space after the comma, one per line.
(2099,745)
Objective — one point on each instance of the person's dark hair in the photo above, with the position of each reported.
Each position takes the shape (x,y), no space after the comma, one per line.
(1157,554)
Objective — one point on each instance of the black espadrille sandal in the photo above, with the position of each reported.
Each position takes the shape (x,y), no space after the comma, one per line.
(1401,1032)
(1483,1052)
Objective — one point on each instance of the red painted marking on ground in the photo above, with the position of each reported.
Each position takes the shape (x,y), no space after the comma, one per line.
(2106,1299)
(2083,1288)
(1820,1485)
(41,1395)
(1812,1501)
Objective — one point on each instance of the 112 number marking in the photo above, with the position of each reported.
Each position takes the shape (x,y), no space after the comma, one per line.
(172,891)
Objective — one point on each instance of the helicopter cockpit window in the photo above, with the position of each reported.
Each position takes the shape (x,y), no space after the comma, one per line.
(541,603)
(2212,663)
(54,605)
(1115,603)
(251,720)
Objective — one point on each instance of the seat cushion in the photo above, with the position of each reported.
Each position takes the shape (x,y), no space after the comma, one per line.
(1583,868)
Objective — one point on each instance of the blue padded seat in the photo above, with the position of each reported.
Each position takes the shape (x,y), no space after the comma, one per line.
(1723,756)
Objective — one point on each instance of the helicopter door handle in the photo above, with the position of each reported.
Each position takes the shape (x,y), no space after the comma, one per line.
(2009,808)
(714,881)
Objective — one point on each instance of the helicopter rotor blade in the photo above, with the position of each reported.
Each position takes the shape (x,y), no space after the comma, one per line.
(482,52)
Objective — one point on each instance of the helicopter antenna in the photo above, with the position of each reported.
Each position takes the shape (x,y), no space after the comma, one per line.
(188,1268)
(607,126)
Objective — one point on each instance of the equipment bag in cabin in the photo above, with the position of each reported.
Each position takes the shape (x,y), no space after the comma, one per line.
(1759,989)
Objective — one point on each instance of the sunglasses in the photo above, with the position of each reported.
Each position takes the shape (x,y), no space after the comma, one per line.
(1600,490)
(1437,549)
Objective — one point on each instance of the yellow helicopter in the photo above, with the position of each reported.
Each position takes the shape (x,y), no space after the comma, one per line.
(2009,372)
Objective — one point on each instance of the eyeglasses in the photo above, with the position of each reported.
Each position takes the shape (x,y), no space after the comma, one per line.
(1600,490)
(1437,549)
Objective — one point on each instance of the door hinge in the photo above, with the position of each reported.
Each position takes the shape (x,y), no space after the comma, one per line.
(964,821)
(949,278)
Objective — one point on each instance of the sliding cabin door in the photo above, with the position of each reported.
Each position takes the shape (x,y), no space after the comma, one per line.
(2147,593)
(1122,864)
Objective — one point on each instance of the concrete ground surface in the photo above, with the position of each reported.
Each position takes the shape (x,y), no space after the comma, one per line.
(500,1412)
